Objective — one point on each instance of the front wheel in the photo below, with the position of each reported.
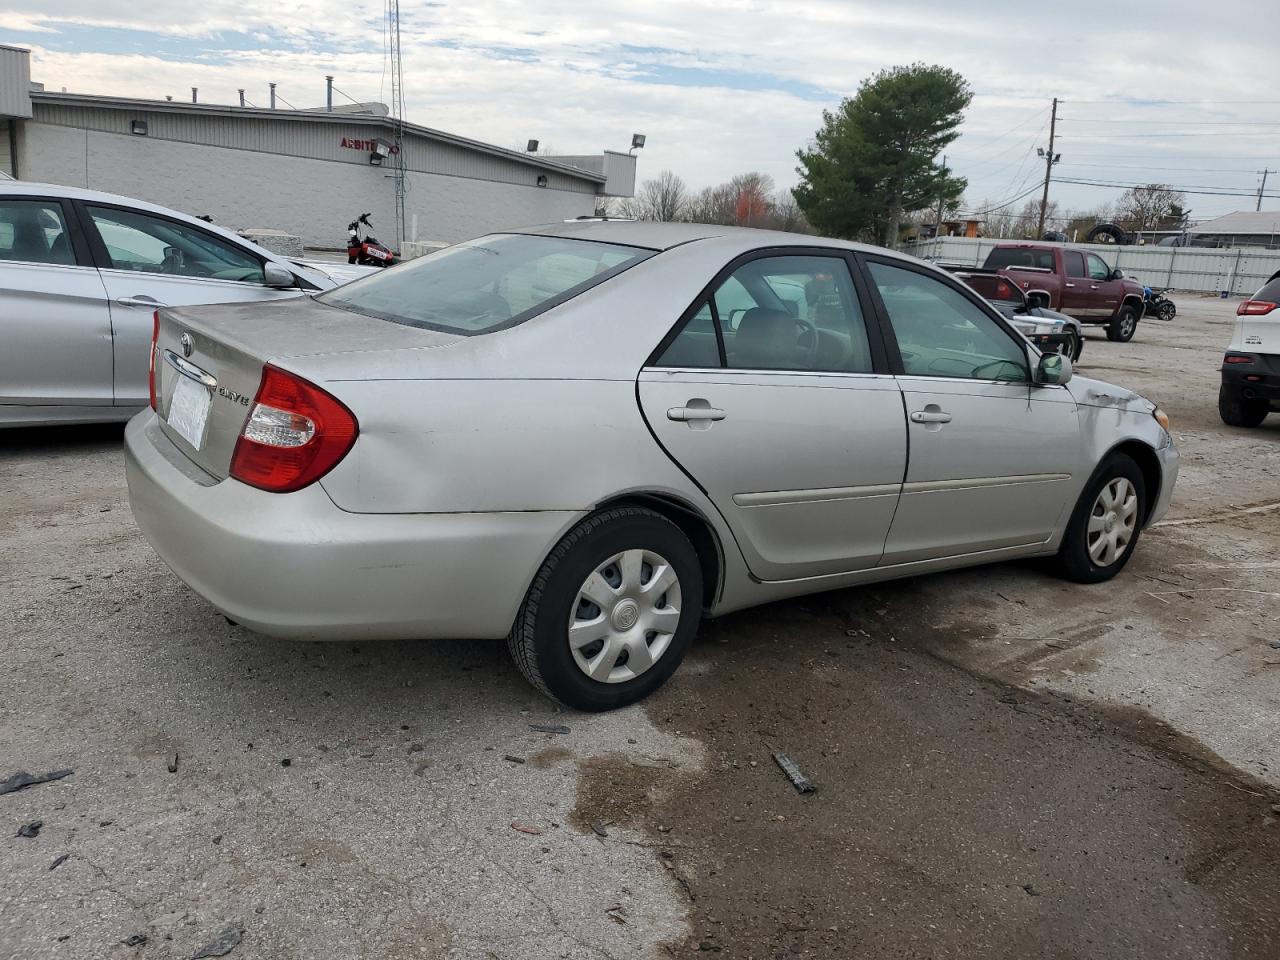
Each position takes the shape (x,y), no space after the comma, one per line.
(1124,326)
(612,611)
(1239,411)
(1104,527)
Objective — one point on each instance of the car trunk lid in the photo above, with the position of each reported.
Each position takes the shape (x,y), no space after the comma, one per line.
(209,363)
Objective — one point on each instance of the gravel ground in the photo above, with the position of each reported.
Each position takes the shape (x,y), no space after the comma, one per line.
(1007,765)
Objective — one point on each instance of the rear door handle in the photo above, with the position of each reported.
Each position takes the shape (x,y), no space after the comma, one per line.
(140,300)
(686,414)
(1069,284)
(930,416)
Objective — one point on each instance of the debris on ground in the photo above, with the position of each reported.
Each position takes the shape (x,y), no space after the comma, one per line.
(802,783)
(173,764)
(137,940)
(526,828)
(23,779)
(226,941)
(549,727)
(30,830)
(1031,890)
(1275,644)
(513,758)
(598,828)
(286,762)
(60,861)
(617,913)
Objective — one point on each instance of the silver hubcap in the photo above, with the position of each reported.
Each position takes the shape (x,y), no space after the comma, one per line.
(625,616)
(1112,521)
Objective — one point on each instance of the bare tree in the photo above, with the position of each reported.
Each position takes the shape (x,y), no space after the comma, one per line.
(997,223)
(664,198)
(1153,207)
(714,205)
(787,214)
(1028,219)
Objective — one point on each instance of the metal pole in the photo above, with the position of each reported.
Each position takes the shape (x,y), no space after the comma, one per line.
(273,95)
(328,94)
(1262,188)
(937,226)
(1048,168)
(1168,281)
(194,91)
(242,96)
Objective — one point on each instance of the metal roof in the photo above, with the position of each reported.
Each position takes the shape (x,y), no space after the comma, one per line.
(311,116)
(1242,223)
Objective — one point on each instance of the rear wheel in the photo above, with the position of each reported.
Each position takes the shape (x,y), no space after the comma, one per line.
(1123,327)
(1073,347)
(1167,310)
(1104,527)
(1240,411)
(612,612)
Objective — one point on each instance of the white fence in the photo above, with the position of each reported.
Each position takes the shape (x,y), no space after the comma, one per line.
(1239,271)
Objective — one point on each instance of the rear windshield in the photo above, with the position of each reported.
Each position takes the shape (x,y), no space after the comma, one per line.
(1020,257)
(1270,291)
(486,284)
(992,287)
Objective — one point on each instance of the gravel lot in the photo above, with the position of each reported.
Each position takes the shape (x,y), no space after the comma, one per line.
(1008,765)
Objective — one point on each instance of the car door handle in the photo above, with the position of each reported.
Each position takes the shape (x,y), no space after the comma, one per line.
(686,414)
(140,300)
(1093,287)
(930,416)
(1069,284)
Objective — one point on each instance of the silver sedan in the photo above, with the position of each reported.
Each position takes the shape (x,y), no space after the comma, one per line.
(586,437)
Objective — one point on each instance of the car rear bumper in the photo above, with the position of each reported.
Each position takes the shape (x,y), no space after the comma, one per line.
(295,565)
(1260,379)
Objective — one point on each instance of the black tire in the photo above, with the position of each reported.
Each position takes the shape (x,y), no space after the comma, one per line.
(1073,347)
(1238,411)
(1166,311)
(539,641)
(1124,326)
(1073,560)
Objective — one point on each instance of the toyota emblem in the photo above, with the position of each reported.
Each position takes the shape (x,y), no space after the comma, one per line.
(188,344)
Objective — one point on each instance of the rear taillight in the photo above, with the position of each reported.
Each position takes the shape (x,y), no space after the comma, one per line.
(295,434)
(1236,358)
(151,370)
(1255,308)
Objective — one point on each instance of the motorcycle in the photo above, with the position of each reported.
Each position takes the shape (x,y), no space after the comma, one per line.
(1158,305)
(366,251)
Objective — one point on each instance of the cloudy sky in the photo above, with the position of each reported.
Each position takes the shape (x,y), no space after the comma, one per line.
(1179,92)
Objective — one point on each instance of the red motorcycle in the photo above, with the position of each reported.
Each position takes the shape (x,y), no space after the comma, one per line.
(366,251)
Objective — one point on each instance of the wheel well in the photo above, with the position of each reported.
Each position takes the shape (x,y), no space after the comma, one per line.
(1149,464)
(1132,300)
(693,525)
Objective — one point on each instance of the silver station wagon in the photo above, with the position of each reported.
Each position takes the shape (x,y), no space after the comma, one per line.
(586,437)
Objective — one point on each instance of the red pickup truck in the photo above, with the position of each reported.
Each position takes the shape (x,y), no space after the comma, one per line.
(1079,284)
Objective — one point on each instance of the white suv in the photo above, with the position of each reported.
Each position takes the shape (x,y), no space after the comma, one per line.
(1251,368)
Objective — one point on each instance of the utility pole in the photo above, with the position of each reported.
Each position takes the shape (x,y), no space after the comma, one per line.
(1050,159)
(1263,186)
(937,224)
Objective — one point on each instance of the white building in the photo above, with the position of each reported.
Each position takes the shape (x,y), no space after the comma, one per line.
(306,172)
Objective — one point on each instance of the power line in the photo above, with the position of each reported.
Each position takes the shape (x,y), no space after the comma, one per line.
(1143,166)
(1201,191)
(1205,133)
(1185,123)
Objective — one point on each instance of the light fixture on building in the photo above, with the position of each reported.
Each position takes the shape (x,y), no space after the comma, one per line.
(375,159)
(138,128)
(381,150)
(531,147)
(542,179)
(637,141)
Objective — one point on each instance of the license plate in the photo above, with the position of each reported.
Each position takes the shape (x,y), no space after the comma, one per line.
(189,410)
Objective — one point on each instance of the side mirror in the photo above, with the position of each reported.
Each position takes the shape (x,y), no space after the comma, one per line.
(1053,368)
(1117,274)
(280,277)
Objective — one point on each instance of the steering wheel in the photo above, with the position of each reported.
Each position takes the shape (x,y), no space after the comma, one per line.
(807,340)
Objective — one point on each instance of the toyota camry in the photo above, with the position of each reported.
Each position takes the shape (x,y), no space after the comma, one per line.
(588,436)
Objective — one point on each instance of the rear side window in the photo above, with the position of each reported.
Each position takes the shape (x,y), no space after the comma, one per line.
(1074,261)
(486,284)
(34,231)
(1020,257)
(1270,291)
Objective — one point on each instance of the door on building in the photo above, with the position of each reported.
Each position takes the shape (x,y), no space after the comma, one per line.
(149,261)
(55,328)
(774,397)
(991,456)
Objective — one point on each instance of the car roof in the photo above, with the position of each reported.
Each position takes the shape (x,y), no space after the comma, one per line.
(30,188)
(665,235)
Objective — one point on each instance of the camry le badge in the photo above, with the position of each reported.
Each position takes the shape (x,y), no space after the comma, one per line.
(188,344)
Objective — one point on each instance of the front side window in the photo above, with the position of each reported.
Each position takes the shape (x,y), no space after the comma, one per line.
(941,333)
(146,244)
(34,231)
(779,313)
(486,284)
(1098,270)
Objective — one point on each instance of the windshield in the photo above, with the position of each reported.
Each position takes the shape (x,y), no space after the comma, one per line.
(486,284)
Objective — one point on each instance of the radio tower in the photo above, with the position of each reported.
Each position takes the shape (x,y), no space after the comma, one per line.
(397,116)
